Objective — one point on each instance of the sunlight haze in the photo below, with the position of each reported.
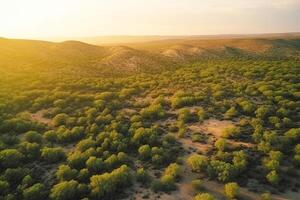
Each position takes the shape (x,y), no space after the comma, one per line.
(78,18)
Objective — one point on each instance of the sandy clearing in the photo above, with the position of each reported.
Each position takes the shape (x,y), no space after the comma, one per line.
(39,117)
(189,144)
(211,126)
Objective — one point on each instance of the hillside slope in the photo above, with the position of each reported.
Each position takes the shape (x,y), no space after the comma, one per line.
(80,57)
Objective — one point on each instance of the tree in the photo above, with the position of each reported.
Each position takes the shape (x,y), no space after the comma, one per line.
(273,177)
(27,181)
(145,152)
(221,144)
(202,114)
(297,149)
(10,158)
(204,196)
(60,119)
(85,144)
(266,196)
(275,155)
(66,190)
(53,155)
(95,165)
(262,112)
(197,162)
(30,150)
(77,160)
(231,190)
(4,186)
(185,115)
(232,112)
(142,176)
(83,175)
(15,176)
(223,171)
(247,106)
(240,160)
(108,183)
(35,192)
(167,183)
(231,132)
(65,173)
(50,136)
(173,170)
(33,136)
(297,159)
(292,135)
(153,112)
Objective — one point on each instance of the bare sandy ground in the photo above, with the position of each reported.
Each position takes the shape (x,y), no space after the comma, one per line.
(211,126)
(39,117)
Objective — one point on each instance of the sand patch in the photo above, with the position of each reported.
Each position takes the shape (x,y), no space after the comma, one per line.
(39,117)
(211,126)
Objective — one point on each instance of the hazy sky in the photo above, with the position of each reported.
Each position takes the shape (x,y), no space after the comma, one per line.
(77,18)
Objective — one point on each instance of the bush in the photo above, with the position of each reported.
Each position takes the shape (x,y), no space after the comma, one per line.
(50,136)
(33,136)
(107,184)
(4,186)
(167,183)
(231,190)
(95,165)
(53,155)
(10,158)
(266,196)
(153,112)
(186,116)
(232,112)
(30,150)
(262,112)
(273,177)
(65,173)
(142,176)
(204,196)
(60,119)
(145,152)
(231,132)
(173,170)
(197,162)
(240,160)
(201,114)
(221,144)
(66,190)
(223,171)
(247,106)
(35,192)
(85,144)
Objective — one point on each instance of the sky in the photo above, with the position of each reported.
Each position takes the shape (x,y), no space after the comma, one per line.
(84,18)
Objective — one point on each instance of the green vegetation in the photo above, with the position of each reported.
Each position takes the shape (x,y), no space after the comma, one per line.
(204,196)
(231,190)
(72,129)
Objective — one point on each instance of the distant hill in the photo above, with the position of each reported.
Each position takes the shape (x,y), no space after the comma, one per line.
(131,39)
(80,57)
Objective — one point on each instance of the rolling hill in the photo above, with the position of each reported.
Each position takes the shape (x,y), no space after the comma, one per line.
(148,56)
